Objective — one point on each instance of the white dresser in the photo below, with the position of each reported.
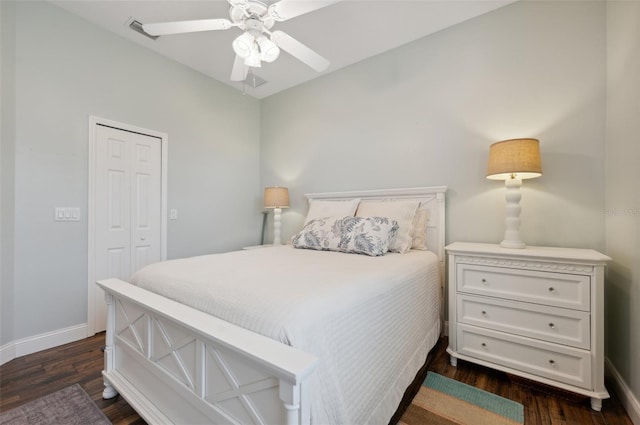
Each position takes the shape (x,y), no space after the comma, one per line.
(536,312)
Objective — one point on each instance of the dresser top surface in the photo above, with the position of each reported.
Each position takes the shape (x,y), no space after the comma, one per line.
(537,252)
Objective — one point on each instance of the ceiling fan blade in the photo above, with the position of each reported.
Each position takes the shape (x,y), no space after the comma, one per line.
(179,27)
(240,70)
(287,9)
(299,51)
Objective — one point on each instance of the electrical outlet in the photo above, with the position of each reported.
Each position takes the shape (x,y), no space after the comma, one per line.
(173,214)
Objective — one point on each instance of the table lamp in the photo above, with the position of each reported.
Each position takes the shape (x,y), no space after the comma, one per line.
(276,198)
(512,161)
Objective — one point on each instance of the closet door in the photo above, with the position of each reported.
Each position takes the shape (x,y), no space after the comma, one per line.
(128,207)
(145,202)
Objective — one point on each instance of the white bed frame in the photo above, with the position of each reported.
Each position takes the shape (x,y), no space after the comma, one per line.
(175,364)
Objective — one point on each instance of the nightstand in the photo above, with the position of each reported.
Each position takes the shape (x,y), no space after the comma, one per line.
(535,312)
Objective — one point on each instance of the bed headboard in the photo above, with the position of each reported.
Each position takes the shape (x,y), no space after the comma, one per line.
(432,198)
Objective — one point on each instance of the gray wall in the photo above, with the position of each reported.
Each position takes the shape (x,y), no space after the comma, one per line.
(7,155)
(623,191)
(67,69)
(425,114)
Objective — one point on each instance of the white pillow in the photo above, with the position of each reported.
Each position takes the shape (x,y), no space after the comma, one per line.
(359,235)
(419,233)
(320,209)
(400,211)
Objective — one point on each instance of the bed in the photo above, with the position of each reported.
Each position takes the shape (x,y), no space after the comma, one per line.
(280,335)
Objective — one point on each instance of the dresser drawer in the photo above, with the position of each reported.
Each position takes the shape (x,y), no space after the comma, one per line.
(557,362)
(563,326)
(547,288)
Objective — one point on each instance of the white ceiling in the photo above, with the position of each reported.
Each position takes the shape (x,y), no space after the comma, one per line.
(345,32)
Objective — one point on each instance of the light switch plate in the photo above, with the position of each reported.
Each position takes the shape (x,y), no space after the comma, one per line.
(67,214)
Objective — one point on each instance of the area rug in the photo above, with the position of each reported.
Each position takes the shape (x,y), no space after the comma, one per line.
(69,406)
(444,401)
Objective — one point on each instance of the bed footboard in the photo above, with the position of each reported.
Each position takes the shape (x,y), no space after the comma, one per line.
(175,364)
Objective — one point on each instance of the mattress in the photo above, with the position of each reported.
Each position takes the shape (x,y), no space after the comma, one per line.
(369,320)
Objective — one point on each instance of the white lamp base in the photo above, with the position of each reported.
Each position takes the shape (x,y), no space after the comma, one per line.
(512,233)
(277,214)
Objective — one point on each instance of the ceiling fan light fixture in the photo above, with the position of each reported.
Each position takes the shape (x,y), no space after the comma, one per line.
(269,51)
(239,3)
(244,45)
(257,43)
(253,59)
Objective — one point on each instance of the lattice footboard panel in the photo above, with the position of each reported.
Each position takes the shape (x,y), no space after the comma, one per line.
(173,365)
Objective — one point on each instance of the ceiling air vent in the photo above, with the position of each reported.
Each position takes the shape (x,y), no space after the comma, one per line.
(137,27)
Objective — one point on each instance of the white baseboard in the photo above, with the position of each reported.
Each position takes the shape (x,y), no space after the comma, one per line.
(7,352)
(622,390)
(36,343)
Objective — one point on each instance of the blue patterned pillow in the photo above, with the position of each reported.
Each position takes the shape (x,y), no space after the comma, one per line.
(360,235)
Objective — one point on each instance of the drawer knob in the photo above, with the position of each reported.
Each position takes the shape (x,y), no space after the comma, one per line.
(484,280)
(552,289)
(484,313)
(484,345)
(552,362)
(552,326)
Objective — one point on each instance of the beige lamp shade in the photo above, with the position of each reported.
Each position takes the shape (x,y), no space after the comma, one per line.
(276,197)
(514,158)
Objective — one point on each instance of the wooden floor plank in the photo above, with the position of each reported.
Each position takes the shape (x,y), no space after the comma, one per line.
(29,377)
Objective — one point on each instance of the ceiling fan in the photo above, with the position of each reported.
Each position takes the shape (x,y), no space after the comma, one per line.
(257,43)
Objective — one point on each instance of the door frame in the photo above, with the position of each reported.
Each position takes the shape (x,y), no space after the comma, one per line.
(94,122)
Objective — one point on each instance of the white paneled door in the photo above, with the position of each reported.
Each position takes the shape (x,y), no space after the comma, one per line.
(127,207)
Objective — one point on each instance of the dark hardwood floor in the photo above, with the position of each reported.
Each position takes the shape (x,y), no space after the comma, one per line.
(29,377)
(542,405)
(35,375)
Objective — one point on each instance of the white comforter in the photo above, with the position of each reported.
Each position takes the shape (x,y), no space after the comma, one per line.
(370,320)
